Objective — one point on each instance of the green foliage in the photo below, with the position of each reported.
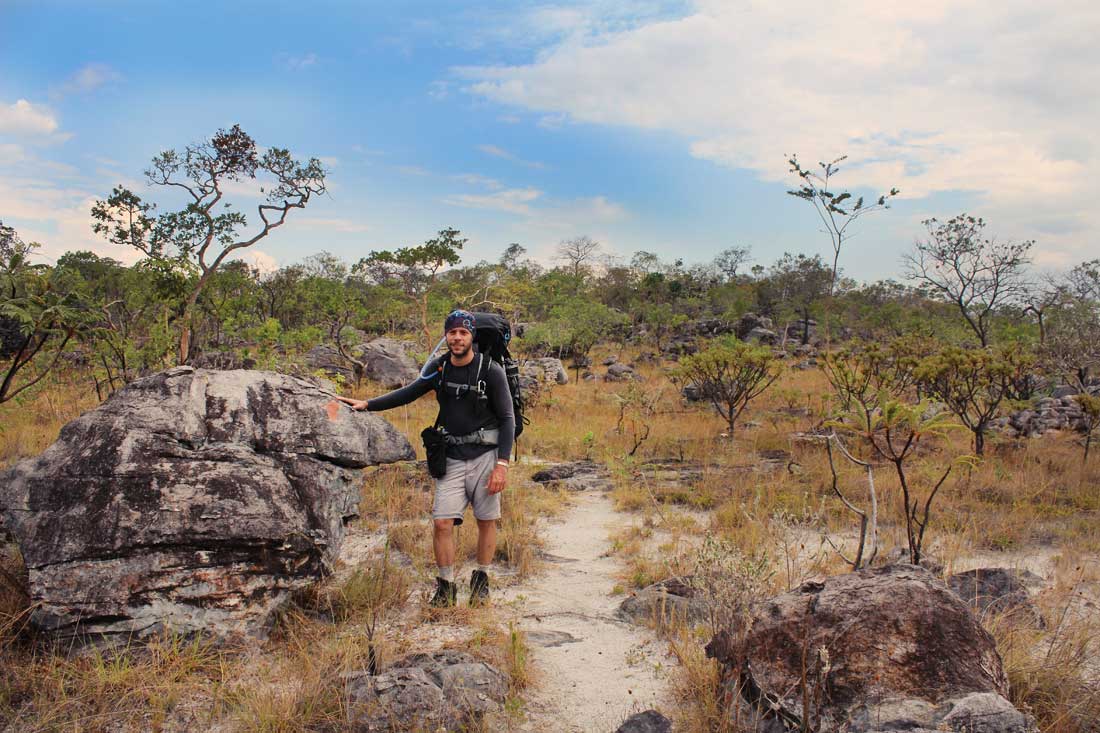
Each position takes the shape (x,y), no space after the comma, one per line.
(837,210)
(973,383)
(575,325)
(895,429)
(797,284)
(413,270)
(1090,406)
(45,309)
(963,267)
(730,373)
(207,229)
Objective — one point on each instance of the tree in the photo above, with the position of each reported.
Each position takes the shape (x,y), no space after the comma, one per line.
(1090,409)
(801,282)
(578,253)
(731,373)
(962,266)
(972,383)
(729,261)
(47,312)
(835,210)
(414,270)
(207,230)
(510,258)
(575,326)
(895,430)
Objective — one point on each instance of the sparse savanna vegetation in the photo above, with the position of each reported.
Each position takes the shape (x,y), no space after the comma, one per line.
(831,425)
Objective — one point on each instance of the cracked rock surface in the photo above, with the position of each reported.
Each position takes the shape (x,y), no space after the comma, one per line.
(901,652)
(193,500)
(445,690)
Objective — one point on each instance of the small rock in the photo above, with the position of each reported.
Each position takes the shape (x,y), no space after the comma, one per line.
(448,689)
(663,602)
(998,591)
(649,721)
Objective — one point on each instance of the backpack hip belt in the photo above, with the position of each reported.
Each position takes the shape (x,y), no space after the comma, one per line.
(483,436)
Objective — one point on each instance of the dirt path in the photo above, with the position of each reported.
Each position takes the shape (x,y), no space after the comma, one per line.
(591,670)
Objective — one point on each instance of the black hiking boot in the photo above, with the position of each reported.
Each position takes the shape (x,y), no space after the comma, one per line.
(446,594)
(479,588)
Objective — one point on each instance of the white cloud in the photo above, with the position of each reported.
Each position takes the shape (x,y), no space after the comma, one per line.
(25,119)
(476,179)
(499,152)
(993,98)
(258,259)
(439,90)
(86,79)
(297,62)
(513,200)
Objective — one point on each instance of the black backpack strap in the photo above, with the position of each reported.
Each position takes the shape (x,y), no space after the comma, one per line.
(477,385)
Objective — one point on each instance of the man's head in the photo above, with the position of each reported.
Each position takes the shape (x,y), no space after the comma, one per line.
(459,329)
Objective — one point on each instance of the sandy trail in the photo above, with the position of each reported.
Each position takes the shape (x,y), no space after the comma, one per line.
(591,670)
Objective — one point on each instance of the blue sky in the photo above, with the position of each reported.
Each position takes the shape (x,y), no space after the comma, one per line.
(660,126)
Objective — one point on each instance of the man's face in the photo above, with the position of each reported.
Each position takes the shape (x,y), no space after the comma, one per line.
(459,341)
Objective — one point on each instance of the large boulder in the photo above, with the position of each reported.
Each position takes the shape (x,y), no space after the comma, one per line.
(854,643)
(389,361)
(326,358)
(192,500)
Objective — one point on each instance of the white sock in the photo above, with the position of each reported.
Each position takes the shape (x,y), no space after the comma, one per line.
(484,568)
(447,573)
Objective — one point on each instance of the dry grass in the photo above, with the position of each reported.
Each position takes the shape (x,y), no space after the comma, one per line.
(29,423)
(1023,495)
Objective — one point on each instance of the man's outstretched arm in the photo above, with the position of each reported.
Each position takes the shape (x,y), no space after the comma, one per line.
(396,398)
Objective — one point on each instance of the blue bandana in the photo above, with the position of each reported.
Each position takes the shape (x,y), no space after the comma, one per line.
(460,319)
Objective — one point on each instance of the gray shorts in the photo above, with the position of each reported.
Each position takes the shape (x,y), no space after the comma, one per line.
(465,483)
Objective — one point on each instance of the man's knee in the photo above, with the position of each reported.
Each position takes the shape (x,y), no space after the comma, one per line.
(443,526)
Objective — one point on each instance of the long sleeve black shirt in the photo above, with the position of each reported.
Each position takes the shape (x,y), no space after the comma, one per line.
(465,413)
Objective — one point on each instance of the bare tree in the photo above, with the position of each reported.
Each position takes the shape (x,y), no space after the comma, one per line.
(975,273)
(205,232)
(1072,346)
(729,261)
(578,253)
(1039,299)
(836,210)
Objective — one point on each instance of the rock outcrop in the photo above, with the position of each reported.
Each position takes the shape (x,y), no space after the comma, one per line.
(750,322)
(192,500)
(878,650)
(575,476)
(533,373)
(384,360)
(1047,413)
(446,690)
(389,361)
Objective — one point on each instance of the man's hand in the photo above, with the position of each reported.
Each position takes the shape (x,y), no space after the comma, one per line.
(497,479)
(358,404)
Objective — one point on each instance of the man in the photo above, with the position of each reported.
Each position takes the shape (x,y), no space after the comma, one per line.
(480,426)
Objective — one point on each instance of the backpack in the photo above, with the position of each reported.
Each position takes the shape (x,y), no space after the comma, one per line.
(491,338)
